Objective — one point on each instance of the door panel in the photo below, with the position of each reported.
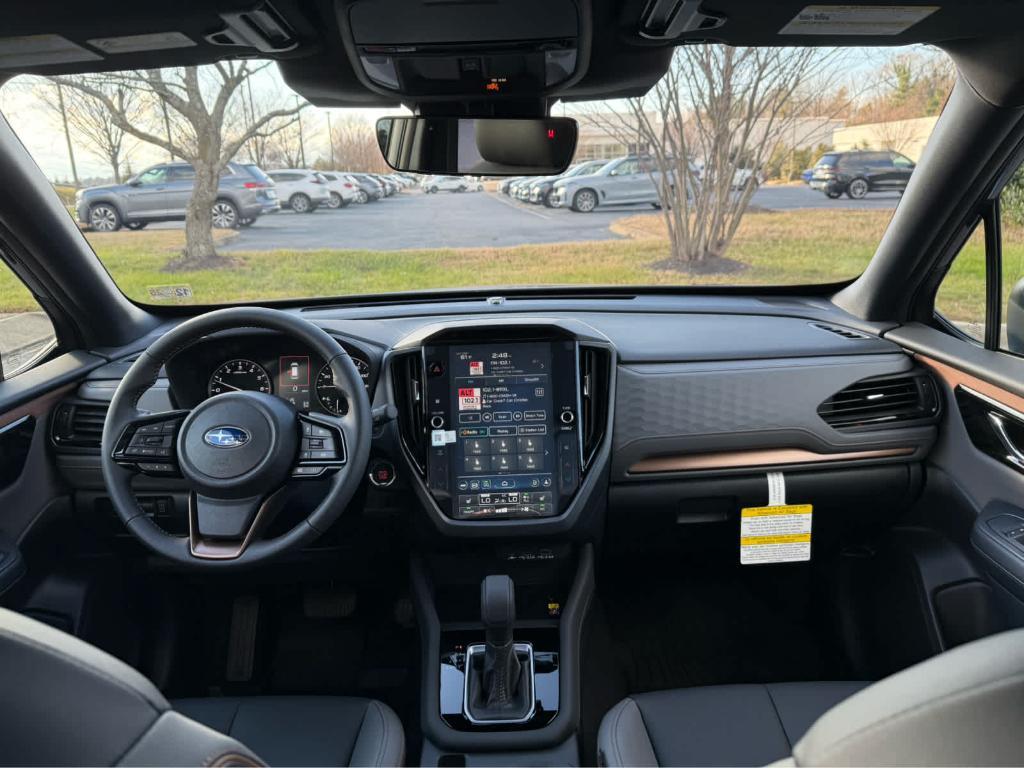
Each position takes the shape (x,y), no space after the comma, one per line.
(981,450)
(26,402)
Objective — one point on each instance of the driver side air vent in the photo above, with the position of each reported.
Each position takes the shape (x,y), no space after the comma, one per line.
(877,402)
(407,373)
(78,424)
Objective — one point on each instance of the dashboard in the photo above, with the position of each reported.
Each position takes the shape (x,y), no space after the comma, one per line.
(524,420)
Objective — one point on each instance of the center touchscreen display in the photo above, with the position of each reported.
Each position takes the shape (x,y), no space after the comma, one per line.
(503,462)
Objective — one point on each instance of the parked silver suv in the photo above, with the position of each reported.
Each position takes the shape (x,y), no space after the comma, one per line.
(162,192)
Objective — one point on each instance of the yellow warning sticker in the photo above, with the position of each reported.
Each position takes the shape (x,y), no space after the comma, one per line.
(779,534)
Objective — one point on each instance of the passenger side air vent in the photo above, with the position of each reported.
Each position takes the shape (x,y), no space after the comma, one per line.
(838,330)
(875,403)
(78,424)
(595,378)
(407,374)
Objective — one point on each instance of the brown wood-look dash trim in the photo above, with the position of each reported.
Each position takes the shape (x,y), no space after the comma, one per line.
(954,377)
(769,457)
(37,407)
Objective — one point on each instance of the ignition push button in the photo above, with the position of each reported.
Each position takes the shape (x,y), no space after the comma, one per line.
(382,473)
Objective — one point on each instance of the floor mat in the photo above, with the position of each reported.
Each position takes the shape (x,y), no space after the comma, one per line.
(674,628)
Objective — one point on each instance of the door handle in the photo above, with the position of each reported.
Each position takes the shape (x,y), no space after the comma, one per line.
(1013,453)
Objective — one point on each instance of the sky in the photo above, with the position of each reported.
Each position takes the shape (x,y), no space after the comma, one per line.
(38,126)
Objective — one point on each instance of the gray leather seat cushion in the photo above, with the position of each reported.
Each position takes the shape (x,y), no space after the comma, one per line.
(732,725)
(305,730)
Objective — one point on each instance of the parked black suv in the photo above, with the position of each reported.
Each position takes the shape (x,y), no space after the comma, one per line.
(857,173)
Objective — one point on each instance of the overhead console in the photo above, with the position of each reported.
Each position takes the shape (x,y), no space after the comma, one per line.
(503,424)
(466,51)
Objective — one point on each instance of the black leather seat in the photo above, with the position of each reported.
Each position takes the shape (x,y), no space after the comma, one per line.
(962,707)
(304,730)
(64,702)
(733,725)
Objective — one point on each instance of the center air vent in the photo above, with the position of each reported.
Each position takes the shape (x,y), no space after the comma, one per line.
(78,424)
(595,370)
(407,373)
(875,403)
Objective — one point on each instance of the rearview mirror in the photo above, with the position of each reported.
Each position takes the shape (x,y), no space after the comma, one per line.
(478,146)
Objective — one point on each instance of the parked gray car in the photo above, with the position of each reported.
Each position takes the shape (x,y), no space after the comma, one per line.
(162,193)
(627,180)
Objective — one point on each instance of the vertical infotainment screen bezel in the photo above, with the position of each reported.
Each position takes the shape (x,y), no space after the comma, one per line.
(450,484)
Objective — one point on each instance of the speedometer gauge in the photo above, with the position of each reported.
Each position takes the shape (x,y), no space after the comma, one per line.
(239,376)
(329,395)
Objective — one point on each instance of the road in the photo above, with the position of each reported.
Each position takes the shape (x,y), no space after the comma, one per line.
(476,219)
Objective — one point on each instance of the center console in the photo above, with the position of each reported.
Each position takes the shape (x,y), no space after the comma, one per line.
(504,437)
(505,424)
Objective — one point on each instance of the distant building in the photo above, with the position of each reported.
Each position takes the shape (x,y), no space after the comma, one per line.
(607,135)
(907,137)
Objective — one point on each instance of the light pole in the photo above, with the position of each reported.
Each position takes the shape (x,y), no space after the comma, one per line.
(302,144)
(67,134)
(330,140)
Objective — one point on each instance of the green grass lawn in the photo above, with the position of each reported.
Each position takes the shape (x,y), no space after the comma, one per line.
(778,248)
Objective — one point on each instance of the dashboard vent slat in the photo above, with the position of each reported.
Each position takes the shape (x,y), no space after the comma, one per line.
(881,401)
(595,364)
(409,383)
(839,330)
(78,424)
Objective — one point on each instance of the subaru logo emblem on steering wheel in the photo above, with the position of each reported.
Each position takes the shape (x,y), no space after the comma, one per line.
(226,437)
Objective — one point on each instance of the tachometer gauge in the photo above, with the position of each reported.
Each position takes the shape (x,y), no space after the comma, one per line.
(330,398)
(239,376)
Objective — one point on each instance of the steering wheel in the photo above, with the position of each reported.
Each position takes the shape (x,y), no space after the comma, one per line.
(238,452)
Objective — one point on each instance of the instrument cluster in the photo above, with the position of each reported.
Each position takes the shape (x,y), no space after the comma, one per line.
(293,379)
(263,363)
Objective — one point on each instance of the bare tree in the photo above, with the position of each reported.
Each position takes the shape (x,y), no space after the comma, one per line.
(354,146)
(710,126)
(283,149)
(91,120)
(203,128)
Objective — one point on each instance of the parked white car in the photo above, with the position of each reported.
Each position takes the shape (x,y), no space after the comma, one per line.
(300,189)
(343,190)
(447,184)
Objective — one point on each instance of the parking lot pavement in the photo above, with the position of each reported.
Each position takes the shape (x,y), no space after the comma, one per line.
(417,220)
(474,220)
(779,198)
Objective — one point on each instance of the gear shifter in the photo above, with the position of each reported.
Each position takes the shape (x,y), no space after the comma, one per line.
(501,664)
(499,673)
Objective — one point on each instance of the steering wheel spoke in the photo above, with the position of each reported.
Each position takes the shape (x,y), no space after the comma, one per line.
(323,449)
(148,443)
(222,529)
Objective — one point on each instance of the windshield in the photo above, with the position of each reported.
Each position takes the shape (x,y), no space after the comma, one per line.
(743,166)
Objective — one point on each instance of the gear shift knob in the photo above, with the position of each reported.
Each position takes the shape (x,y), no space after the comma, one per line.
(498,609)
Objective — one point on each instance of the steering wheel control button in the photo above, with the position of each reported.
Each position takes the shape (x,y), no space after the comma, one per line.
(321,448)
(157,469)
(382,473)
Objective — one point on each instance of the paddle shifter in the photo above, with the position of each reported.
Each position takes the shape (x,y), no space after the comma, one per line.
(499,673)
